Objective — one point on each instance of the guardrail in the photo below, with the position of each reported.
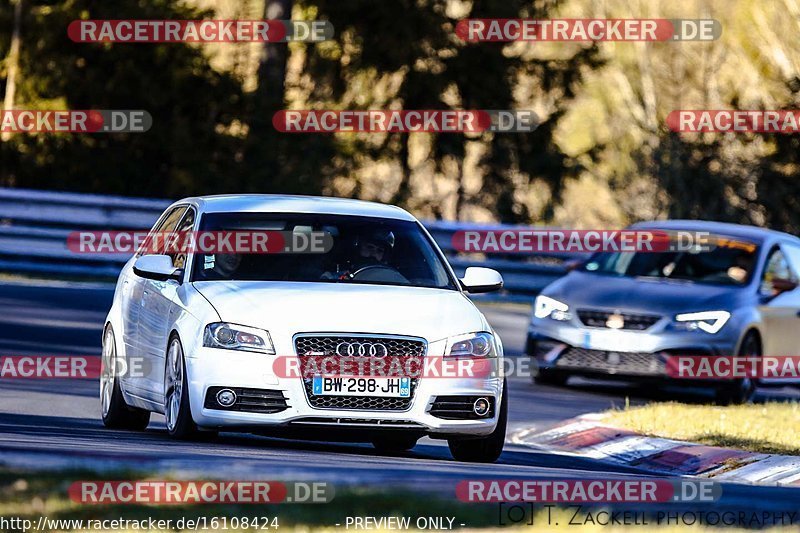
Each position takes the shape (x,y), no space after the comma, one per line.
(34,226)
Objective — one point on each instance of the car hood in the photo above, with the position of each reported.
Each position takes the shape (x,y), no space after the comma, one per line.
(643,295)
(285,308)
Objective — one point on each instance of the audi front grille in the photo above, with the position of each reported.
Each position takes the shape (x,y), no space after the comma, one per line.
(326,346)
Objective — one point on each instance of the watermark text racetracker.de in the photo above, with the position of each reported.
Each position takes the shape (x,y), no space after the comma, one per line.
(198,492)
(70,367)
(582,30)
(733,367)
(207,242)
(199,31)
(396,366)
(587,490)
(528,240)
(781,121)
(75,121)
(410,121)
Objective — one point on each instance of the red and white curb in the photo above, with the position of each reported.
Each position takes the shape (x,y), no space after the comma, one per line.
(588,436)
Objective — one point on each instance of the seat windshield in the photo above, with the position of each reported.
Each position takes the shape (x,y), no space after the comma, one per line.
(726,261)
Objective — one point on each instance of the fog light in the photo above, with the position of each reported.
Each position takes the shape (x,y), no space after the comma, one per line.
(226,397)
(481,406)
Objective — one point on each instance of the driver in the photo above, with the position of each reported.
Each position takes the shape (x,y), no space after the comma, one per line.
(741,268)
(372,249)
(221,266)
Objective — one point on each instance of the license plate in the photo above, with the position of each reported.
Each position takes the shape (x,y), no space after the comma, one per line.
(381,387)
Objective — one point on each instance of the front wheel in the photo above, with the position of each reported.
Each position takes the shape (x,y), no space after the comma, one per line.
(116,413)
(484,449)
(742,390)
(177,410)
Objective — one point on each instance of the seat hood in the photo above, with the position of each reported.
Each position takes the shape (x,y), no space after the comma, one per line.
(642,295)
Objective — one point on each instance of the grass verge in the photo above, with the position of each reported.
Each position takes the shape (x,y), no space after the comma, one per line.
(767,428)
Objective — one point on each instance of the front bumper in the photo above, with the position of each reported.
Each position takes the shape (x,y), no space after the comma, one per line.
(209,367)
(579,350)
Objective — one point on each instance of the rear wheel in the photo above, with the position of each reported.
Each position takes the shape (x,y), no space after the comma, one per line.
(394,443)
(741,390)
(484,449)
(116,413)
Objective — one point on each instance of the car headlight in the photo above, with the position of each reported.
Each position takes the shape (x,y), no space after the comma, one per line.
(235,337)
(472,345)
(708,321)
(546,307)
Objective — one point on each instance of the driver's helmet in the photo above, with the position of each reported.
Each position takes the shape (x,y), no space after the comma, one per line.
(383,239)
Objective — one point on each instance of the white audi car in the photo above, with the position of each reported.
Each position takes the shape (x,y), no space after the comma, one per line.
(209,333)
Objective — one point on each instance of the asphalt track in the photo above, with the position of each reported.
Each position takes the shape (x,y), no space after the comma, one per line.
(50,424)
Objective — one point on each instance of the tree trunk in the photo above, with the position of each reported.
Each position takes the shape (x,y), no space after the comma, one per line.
(272,64)
(13,64)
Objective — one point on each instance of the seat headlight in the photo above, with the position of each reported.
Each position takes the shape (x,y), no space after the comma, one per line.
(708,321)
(472,345)
(546,307)
(235,337)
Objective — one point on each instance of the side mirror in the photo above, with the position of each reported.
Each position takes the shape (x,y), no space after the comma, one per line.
(480,279)
(157,267)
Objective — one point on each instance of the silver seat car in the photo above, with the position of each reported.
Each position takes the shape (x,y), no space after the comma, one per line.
(624,314)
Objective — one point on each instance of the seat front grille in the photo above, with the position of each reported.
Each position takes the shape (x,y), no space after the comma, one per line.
(599,319)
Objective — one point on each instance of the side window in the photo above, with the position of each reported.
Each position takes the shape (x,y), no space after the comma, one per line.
(166,225)
(179,256)
(777,268)
(792,252)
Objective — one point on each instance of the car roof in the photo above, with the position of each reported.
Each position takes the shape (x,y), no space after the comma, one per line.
(751,233)
(278,203)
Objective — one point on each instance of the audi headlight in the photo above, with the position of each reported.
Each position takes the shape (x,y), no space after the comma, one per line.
(546,307)
(235,337)
(708,321)
(472,345)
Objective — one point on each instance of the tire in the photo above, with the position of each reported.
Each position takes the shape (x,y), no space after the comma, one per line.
(740,391)
(546,376)
(484,449)
(177,410)
(395,443)
(115,412)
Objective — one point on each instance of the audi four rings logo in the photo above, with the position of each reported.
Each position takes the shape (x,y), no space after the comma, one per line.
(361,349)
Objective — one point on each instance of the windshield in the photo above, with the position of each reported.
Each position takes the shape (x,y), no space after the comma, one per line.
(364,250)
(727,262)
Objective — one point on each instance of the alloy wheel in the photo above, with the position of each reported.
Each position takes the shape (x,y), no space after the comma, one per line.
(174,384)
(107,371)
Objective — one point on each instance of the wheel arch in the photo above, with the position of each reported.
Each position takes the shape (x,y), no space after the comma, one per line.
(751,329)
